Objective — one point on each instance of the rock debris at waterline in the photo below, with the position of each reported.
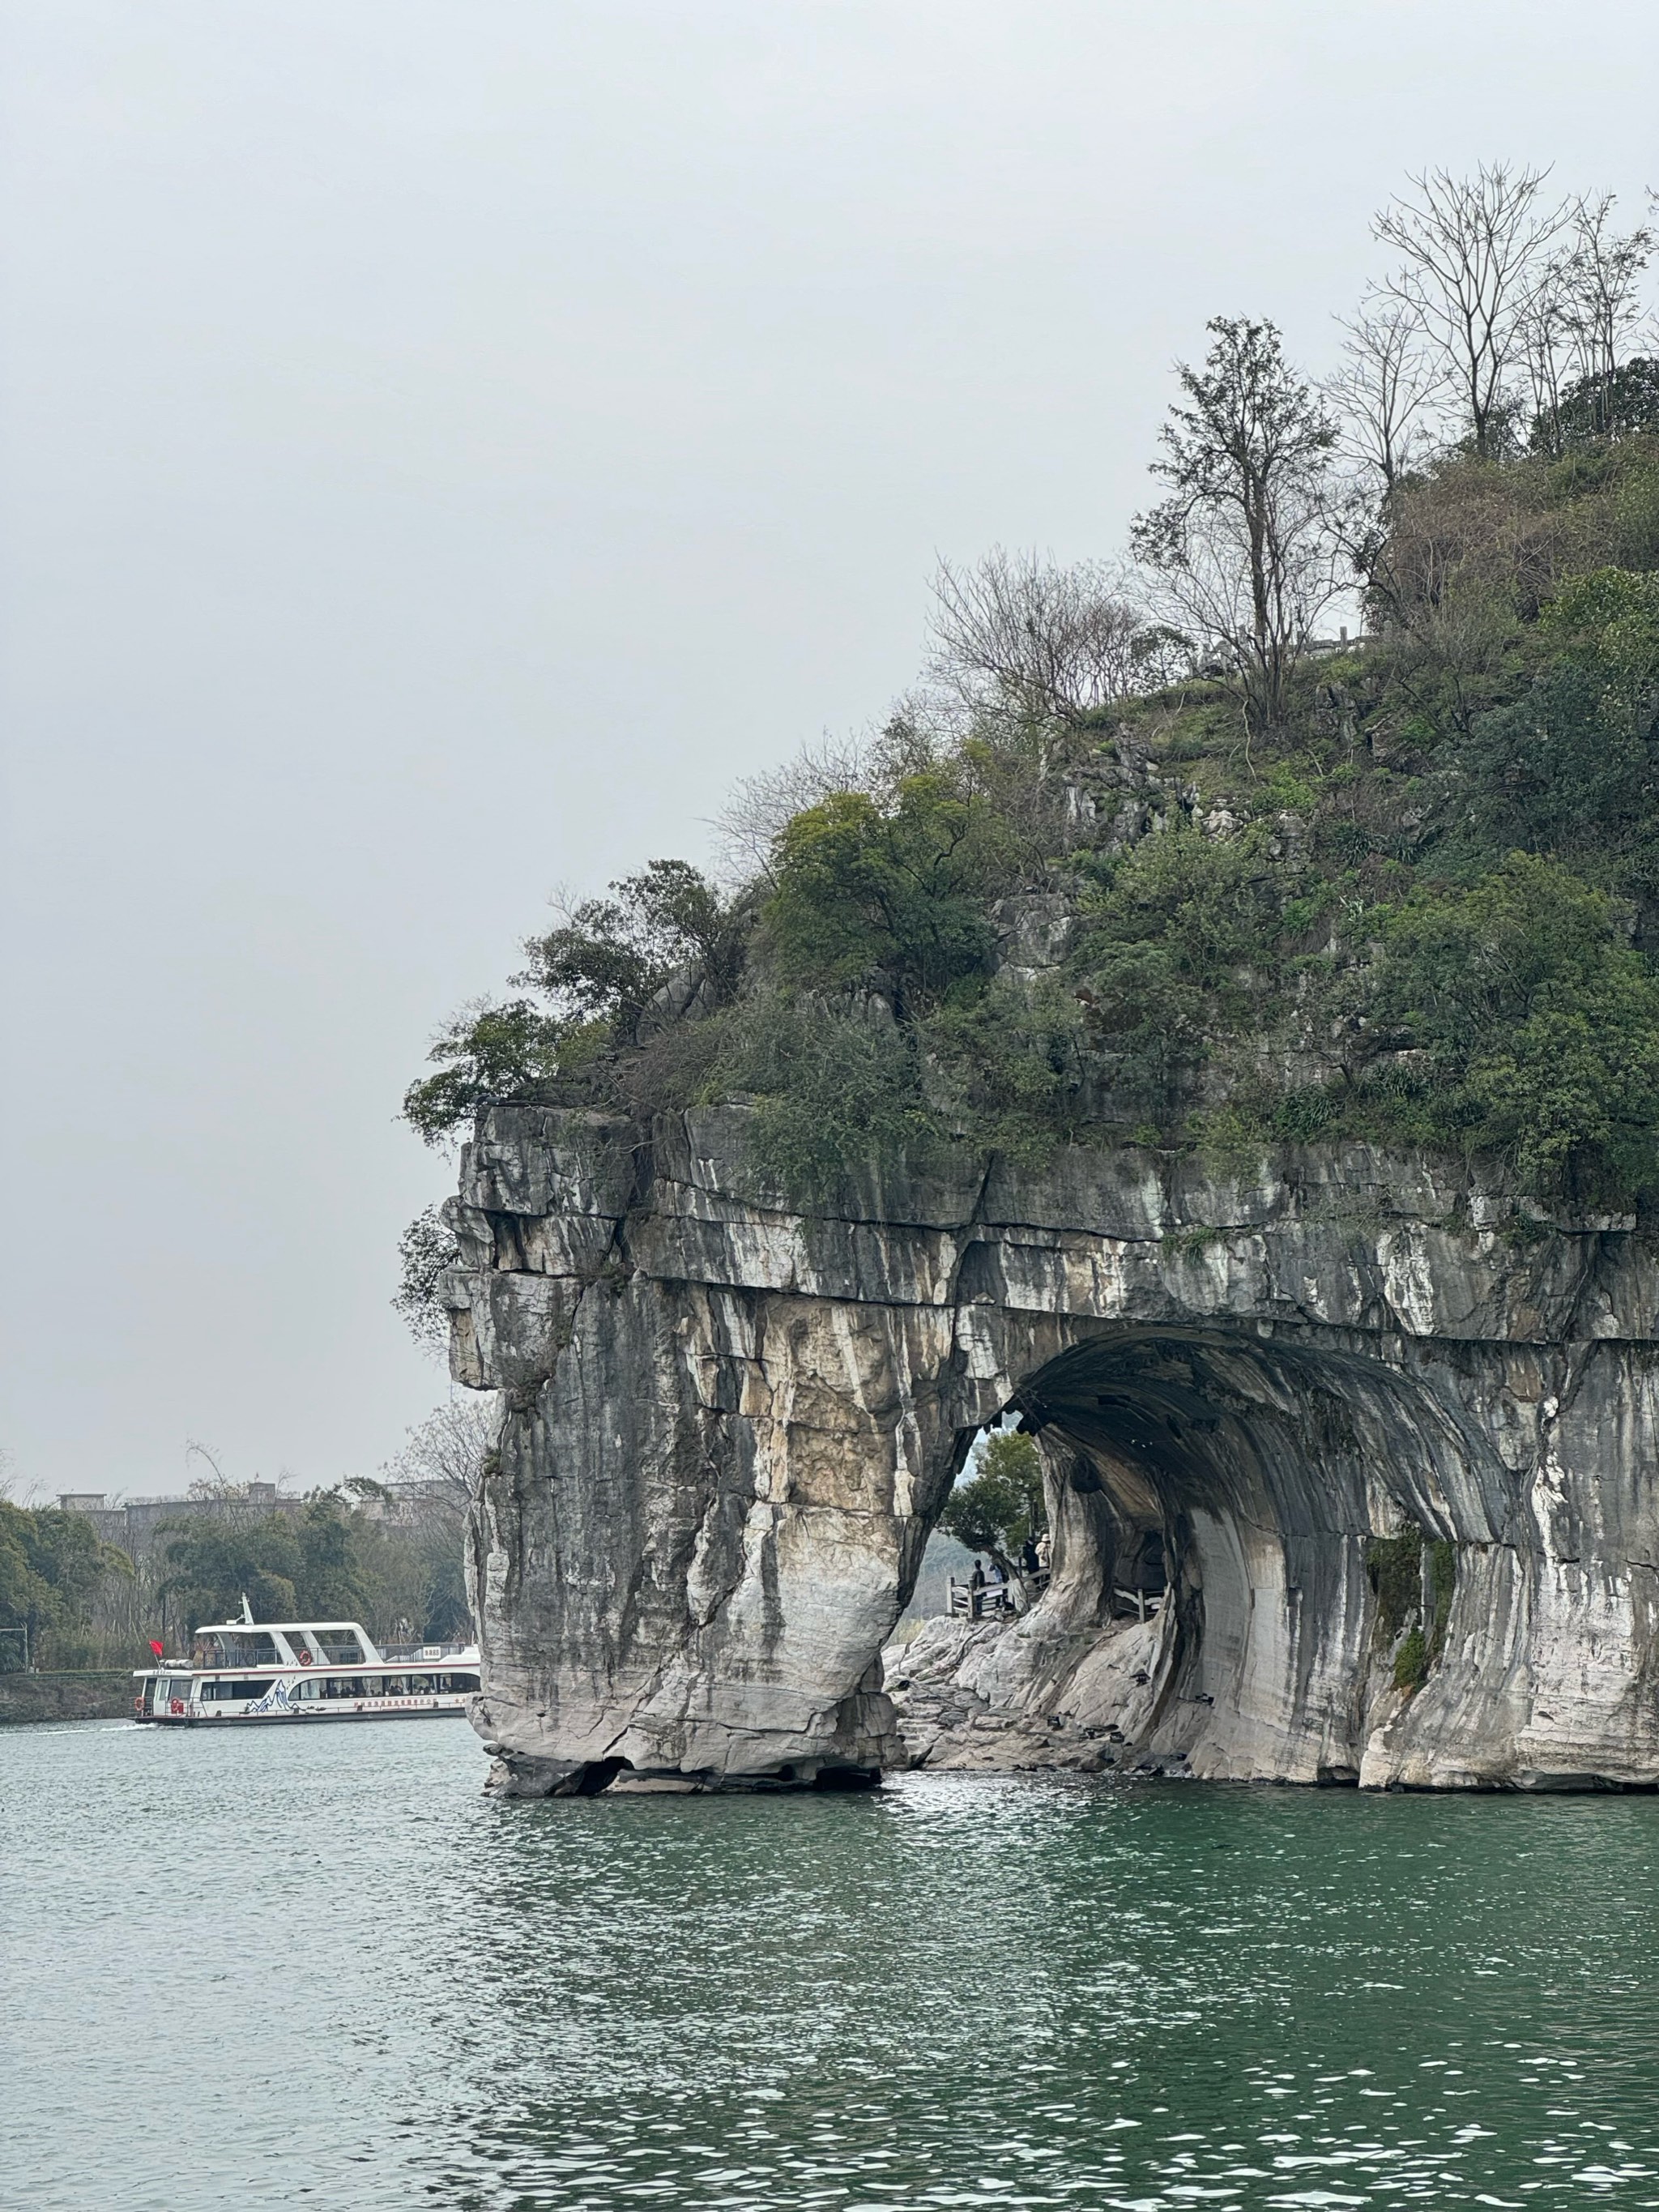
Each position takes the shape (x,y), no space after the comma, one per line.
(727,1429)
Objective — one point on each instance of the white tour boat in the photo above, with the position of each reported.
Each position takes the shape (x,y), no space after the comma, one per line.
(304,1670)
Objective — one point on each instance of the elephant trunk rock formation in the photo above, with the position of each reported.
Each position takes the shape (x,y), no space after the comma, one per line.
(1393,1434)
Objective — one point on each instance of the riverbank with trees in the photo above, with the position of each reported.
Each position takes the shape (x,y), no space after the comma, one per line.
(78,1611)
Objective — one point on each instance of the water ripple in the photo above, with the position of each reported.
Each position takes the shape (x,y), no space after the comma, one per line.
(298,1967)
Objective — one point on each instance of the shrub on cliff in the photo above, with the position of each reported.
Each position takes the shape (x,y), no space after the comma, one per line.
(1570,767)
(902,892)
(1008,1066)
(598,972)
(1474,551)
(834,1087)
(1539,1024)
(487,1052)
(1178,950)
(609,958)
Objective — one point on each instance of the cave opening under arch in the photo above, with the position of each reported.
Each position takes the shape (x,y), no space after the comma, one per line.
(1214,1496)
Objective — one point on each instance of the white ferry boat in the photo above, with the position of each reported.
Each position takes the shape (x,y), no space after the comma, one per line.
(304,1670)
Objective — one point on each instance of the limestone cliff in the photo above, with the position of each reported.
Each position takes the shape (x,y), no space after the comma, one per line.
(727,1430)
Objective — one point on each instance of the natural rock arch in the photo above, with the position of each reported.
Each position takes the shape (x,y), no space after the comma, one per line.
(728,1429)
(1264,1464)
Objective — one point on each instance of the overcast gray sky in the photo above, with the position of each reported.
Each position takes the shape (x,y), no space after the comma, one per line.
(446,441)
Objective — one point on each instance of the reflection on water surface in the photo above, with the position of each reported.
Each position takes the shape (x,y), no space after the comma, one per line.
(298,1968)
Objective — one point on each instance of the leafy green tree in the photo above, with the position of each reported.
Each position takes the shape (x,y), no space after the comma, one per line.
(213,1563)
(901,891)
(1561,771)
(1001,1504)
(331,1583)
(1013,1058)
(487,1052)
(397,1568)
(1607,626)
(1620,403)
(1173,955)
(598,971)
(425,1251)
(51,1566)
(612,956)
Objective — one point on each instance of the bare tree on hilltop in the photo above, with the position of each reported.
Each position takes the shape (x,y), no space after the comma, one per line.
(1247,549)
(1587,308)
(1383,392)
(1018,638)
(1015,644)
(441,1460)
(760,807)
(1475,261)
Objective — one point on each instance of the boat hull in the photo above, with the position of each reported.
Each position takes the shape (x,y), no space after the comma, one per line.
(220,1721)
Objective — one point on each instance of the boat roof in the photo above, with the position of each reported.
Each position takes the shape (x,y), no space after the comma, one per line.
(313,1627)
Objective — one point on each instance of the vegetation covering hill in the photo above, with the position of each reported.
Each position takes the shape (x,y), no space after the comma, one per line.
(1151,858)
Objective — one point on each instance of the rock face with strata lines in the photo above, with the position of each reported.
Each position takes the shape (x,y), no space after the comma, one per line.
(728,1427)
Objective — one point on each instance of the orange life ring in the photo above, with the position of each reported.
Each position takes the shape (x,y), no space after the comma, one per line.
(305,1658)
(138,1705)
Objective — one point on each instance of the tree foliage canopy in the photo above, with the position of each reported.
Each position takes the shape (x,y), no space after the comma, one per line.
(597,973)
(52,1565)
(902,890)
(1540,1023)
(1001,1504)
(289,1567)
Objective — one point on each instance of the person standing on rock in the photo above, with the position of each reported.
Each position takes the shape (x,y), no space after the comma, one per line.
(976,1580)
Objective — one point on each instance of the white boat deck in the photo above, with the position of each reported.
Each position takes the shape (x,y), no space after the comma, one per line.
(264,1671)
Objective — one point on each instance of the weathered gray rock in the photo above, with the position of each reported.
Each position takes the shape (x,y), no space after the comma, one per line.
(727,1429)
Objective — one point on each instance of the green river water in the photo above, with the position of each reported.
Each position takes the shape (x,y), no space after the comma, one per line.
(315,1967)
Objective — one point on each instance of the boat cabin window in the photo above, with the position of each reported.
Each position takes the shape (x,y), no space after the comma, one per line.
(339,1645)
(333,1688)
(245,1647)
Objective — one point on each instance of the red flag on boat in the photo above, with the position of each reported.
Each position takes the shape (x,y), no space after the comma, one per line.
(158,1649)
